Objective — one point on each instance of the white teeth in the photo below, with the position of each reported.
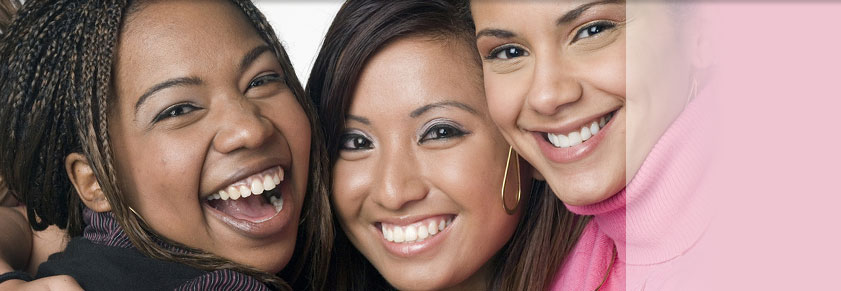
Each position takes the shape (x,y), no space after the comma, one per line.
(432,228)
(244,191)
(256,187)
(579,136)
(256,184)
(234,193)
(398,234)
(585,133)
(268,183)
(413,233)
(422,232)
(594,128)
(575,139)
(277,202)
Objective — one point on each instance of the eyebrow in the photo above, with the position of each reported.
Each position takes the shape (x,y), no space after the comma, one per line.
(176,82)
(566,18)
(418,112)
(246,61)
(575,13)
(252,56)
(359,118)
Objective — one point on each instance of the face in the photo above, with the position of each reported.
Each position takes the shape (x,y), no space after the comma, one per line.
(211,145)
(417,182)
(555,83)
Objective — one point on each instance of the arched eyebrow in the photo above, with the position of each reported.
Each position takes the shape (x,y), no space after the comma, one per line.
(418,112)
(175,82)
(572,15)
(568,17)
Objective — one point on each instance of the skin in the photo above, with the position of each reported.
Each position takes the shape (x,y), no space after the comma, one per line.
(235,122)
(559,72)
(396,165)
(558,76)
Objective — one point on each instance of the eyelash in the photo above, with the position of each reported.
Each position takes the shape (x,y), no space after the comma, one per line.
(171,111)
(601,25)
(505,49)
(262,80)
(436,130)
(354,142)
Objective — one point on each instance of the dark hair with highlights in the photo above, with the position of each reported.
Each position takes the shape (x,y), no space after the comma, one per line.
(56,85)
(546,232)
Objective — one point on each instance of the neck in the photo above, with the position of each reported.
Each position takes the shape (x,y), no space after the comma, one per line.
(478,281)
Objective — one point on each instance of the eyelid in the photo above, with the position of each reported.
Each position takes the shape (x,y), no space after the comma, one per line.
(498,49)
(438,122)
(161,115)
(583,27)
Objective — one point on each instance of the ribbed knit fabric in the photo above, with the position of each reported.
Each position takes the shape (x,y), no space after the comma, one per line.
(654,221)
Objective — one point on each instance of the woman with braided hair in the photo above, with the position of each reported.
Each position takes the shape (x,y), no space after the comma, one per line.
(172,140)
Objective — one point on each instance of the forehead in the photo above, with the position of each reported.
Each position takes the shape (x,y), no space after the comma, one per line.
(416,71)
(165,39)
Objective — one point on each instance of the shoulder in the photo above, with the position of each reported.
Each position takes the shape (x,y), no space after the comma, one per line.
(223,280)
(100,267)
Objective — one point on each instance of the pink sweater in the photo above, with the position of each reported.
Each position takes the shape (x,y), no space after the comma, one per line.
(654,222)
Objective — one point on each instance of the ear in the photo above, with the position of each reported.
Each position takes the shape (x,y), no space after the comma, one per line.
(81,175)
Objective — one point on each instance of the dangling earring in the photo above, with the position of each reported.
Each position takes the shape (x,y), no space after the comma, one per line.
(505,178)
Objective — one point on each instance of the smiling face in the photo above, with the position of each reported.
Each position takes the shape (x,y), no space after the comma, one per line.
(555,83)
(417,181)
(207,137)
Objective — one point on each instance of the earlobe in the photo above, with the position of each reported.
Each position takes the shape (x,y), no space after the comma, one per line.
(84,181)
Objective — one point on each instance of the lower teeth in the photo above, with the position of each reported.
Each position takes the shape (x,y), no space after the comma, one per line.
(277,202)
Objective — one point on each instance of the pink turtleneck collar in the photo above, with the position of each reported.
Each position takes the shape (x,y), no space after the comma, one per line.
(658,216)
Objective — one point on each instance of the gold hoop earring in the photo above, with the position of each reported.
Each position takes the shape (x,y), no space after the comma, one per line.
(505,178)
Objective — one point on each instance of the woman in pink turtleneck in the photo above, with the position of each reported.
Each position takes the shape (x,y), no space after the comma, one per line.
(621,139)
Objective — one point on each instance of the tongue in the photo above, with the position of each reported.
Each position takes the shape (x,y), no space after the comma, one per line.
(253,208)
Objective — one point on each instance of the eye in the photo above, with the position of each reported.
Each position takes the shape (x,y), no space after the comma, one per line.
(264,79)
(441,131)
(175,111)
(507,52)
(593,29)
(355,142)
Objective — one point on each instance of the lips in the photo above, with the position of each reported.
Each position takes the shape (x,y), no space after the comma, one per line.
(254,199)
(410,237)
(578,143)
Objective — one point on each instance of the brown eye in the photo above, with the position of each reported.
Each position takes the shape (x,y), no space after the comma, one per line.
(264,79)
(355,142)
(441,131)
(175,111)
(507,52)
(593,29)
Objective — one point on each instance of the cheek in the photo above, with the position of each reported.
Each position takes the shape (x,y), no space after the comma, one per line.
(350,184)
(505,96)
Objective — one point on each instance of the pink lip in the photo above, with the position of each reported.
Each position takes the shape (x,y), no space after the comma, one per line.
(575,153)
(407,250)
(259,230)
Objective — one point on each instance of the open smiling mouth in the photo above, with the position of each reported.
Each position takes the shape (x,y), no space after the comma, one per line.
(574,138)
(255,199)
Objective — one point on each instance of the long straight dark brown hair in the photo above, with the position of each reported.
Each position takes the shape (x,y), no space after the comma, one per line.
(55,87)
(546,232)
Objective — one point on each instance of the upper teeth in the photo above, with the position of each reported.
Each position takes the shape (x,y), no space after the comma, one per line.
(416,232)
(577,137)
(255,184)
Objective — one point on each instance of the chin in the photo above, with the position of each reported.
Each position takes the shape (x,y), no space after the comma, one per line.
(584,193)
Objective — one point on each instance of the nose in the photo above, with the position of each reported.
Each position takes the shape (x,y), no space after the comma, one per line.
(241,126)
(552,86)
(400,182)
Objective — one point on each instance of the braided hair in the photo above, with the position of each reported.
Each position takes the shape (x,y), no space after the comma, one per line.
(56,62)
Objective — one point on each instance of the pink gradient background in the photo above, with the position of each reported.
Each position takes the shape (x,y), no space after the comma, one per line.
(774,174)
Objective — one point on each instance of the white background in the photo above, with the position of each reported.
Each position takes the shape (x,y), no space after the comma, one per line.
(301,26)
